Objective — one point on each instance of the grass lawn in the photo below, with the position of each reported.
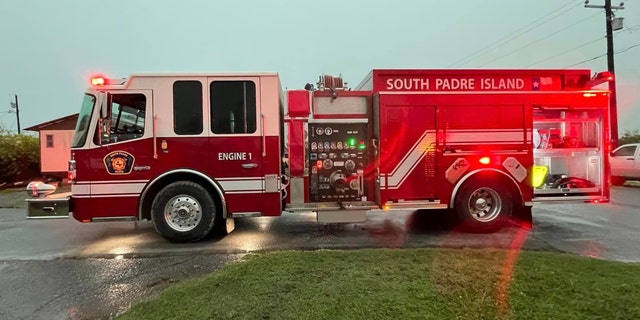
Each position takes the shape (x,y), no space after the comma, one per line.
(405,284)
(13,198)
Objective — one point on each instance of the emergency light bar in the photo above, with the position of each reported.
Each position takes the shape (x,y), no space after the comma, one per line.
(102,81)
(98,81)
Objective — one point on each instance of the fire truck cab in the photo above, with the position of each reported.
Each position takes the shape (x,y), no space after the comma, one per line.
(190,152)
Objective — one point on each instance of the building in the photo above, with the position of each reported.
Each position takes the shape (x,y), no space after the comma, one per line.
(55,144)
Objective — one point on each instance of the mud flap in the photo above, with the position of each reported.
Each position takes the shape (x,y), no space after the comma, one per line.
(522,217)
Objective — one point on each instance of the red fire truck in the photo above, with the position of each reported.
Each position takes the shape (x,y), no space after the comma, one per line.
(191,152)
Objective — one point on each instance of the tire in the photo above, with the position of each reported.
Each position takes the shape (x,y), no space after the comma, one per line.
(183,211)
(484,205)
(617,181)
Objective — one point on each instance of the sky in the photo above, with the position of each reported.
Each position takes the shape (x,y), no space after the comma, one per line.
(51,48)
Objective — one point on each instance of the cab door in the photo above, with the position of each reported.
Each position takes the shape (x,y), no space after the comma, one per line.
(235,141)
(625,161)
(122,154)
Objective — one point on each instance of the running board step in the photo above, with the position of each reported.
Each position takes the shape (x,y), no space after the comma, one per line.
(415,205)
(331,206)
(341,216)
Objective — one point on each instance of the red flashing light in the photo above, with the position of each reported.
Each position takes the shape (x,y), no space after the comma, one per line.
(604,75)
(98,81)
(485,160)
(600,78)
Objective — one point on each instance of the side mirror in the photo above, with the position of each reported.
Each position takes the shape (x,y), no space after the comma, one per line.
(103,121)
(104,131)
(104,107)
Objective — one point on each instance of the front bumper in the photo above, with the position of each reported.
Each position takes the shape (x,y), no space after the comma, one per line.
(55,206)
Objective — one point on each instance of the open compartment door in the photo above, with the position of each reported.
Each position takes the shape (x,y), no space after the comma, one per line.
(569,154)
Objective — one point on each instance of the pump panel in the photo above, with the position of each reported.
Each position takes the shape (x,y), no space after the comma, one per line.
(337,158)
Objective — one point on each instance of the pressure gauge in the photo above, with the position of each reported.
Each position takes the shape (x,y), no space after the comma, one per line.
(328,131)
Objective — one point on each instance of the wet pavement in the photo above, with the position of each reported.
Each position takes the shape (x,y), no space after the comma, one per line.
(62,269)
(607,231)
(92,288)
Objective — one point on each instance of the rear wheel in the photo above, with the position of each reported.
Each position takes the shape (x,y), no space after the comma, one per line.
(617,181)
(484,206)
(183,211)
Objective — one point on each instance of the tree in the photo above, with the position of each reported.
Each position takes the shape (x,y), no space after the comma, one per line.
(632,136)
(19,156)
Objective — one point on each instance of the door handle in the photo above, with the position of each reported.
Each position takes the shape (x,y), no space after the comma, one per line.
(249,165)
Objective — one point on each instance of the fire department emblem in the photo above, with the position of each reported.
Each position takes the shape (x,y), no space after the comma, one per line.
(119,162)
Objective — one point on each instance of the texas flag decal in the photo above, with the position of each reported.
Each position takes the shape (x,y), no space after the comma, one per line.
(541,83)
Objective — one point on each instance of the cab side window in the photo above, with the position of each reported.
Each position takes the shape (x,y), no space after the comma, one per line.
(125,119)
(233,107)
(187,107)
(628,151)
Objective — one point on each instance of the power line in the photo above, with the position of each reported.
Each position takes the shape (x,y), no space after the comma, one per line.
(487,48)
(629,29)
(536,26)
(522,31)
(497,43)
(585,61)
(628,48)
(565,52)
(545,37)
(602,55)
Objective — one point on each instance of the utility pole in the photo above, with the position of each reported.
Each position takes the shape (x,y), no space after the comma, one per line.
(613,103)
(15,106)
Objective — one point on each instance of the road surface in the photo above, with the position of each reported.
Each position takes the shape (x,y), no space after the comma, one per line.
(62,269)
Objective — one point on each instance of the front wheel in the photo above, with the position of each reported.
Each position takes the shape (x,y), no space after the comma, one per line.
(183,211)
(484,205)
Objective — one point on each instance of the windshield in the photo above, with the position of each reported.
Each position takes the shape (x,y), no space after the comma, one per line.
(82,127)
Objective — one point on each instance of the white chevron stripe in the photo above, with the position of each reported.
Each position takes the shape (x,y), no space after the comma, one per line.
(411,159)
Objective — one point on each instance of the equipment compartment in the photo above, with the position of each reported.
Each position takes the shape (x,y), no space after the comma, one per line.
(567,152)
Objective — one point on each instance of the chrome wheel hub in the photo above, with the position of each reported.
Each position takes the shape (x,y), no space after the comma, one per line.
(183,213)
(485,204)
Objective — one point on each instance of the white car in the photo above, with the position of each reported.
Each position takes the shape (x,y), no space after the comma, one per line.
(625,163)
